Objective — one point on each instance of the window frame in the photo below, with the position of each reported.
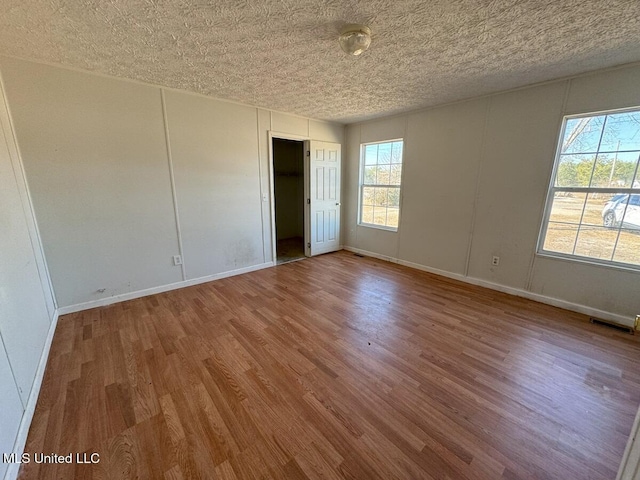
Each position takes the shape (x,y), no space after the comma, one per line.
(552,190)
(361,186)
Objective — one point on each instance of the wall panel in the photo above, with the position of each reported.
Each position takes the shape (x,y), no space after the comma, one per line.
(96,161)
(27,307)
(11,409)
(283,123)
(215,158)
(520,142)
(24,317)
(442,156)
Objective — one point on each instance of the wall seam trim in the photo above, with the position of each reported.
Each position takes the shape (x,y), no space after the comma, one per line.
(13,375)
(476,194)
(404,143)
(172,179)
(264,248)
(359,180)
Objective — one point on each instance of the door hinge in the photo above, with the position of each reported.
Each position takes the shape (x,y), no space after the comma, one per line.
(308,201)
(308,244)
(308,153)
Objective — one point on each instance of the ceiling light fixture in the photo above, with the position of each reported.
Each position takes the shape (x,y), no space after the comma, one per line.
(355,39)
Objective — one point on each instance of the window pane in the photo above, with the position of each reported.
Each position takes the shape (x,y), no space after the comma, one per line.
(636,180)
(384,153)
(631,215)
(602,170)
(394,197)
(384,175)
(368,195)
(396,152)
(379,215)
(596,242)
(614,170)
(574,170)
(567,207)
(621,132)
(396,174)
(392,217)
(628,248)
(615,210)
(560,237)
(582,134)
(380,198)
(371,154)
(370,175)
(367,214)
(623,166)
(593,210)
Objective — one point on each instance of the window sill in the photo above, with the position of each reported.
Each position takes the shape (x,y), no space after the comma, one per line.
(590,261)
(378,227)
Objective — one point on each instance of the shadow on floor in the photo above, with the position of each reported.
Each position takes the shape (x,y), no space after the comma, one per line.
(290,250)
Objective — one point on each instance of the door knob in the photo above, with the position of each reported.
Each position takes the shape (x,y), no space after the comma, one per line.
(338,203)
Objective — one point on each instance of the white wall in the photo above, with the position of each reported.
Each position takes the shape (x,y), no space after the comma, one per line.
(95,157)
(27,310)
(122,181)
(475,180)
(214,148)
(11,409)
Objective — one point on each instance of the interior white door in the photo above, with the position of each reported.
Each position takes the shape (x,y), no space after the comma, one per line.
(324,197)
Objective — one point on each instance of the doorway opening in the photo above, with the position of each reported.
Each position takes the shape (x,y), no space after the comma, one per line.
(288,175)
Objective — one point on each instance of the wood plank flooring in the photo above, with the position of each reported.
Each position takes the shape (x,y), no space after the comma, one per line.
(335,367)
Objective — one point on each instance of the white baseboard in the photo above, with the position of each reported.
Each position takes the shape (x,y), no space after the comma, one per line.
(30,408)
(163,288)
(556,302)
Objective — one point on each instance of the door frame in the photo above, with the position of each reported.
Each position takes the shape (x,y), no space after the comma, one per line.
(305,142)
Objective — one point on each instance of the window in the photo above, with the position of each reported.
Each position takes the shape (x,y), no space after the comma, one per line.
(380,177)
(593,207)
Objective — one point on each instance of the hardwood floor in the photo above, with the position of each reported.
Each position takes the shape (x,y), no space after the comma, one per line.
(335,367)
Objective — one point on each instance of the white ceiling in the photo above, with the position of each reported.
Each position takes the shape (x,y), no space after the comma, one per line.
(284,54)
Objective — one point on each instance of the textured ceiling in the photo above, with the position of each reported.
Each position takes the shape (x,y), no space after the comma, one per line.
(284,54)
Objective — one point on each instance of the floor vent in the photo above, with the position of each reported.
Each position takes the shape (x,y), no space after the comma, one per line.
(610,324)
(359,255)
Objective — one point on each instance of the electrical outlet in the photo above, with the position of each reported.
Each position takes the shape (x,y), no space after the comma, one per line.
(177,260)
(495,261)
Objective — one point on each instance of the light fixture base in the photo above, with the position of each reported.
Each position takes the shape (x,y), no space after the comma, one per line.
(355,39)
